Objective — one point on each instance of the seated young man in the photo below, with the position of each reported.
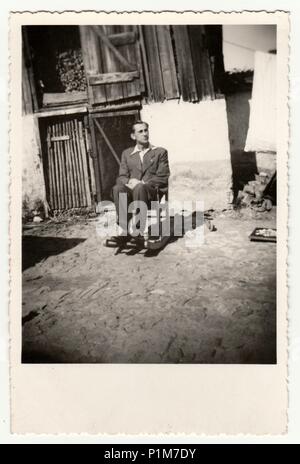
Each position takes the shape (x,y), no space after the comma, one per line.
(144,171)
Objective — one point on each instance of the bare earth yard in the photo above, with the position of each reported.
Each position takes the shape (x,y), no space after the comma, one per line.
(212,304)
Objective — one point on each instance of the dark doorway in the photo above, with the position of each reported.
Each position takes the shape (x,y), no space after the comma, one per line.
(110,135)
(57,60)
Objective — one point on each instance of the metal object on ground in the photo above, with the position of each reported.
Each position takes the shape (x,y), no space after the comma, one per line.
(263,234)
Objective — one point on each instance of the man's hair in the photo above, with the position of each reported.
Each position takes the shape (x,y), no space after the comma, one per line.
(138,122)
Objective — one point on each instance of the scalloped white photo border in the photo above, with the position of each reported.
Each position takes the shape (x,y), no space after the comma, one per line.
(148,399)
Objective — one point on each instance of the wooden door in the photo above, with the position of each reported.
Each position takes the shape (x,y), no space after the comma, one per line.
(112,62)
(66,162)
(110,134)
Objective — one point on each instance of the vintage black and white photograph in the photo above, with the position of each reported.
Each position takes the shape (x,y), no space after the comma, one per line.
(180,118)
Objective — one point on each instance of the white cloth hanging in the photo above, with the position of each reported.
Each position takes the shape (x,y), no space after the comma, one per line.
(262,123)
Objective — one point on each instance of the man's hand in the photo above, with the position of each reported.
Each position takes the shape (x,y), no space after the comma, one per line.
(132,183)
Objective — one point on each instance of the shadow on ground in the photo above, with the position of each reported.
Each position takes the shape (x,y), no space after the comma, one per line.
(36,249)
(244,168)
(172,229)
(213,304)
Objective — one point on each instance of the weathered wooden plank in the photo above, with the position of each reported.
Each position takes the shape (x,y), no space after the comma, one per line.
(155,74)
(90,51)
(119,57)
(113,77)
(76,165)
(131,89)
(144,61)
(122,38)
(167,62)
(71,164)
(61,167)
(185,63)
(95,159)
(60,138)
(89,155)
(55,168)
(61,111)
(62,145)
(123,89)
(71,157)
(84,165)
(54,172)
(69,195)
(92,62)
(54,99)
(67,166)
(201,62)
(117,107)
(116,113)
(50,170)
(80,164)
(139,59)
(29,68)
(114,91)
(57,171)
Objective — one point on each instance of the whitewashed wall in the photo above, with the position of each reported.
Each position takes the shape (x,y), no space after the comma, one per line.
(196,137)
(191,132)
(33,187)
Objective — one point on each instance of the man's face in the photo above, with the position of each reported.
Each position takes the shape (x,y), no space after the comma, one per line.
(141,134)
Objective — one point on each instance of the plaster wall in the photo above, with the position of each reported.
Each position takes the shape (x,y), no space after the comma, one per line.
(33,186)
(196,137)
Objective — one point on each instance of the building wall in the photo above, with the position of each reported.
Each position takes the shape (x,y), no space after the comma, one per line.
(196,137)
(33,187)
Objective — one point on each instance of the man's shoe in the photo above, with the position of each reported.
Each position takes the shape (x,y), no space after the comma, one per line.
(138,241)
(117,240)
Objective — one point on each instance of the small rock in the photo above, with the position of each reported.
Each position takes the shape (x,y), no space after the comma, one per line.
(37,219)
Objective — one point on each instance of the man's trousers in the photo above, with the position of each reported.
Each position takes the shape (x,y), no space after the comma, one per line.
(141,192)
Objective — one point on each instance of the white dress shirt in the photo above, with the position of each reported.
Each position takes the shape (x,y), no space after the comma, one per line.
(142,152)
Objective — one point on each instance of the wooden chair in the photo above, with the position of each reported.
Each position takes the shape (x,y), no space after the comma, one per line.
(162,195)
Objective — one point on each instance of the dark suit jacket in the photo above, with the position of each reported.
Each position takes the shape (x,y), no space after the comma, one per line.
(154,170)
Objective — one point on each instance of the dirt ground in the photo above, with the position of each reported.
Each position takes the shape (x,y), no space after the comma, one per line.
(212,304)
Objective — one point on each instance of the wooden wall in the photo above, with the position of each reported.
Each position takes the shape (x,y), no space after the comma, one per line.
(123,63)
(160,63)
(156,62)
(177,63)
